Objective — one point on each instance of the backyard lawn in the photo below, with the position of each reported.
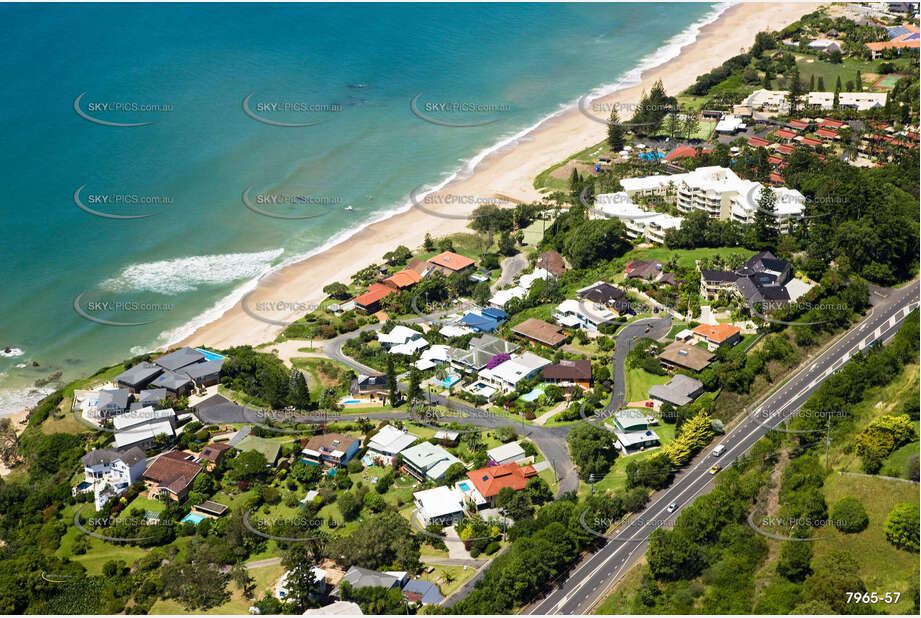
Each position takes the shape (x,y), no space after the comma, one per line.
(638,383)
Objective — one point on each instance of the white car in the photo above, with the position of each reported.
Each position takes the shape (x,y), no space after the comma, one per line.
(671,507)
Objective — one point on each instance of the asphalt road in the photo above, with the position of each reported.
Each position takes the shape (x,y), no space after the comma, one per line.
(511,267)
(580,590)
(658,328)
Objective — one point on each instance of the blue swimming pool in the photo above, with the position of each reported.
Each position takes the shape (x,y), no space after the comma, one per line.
(464,485)
(649,156)
(210,355)
(352,401)
(450,381)
(536,392)
(194,518)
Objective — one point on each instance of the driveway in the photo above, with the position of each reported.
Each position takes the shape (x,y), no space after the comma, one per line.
(511,268)
(624,342)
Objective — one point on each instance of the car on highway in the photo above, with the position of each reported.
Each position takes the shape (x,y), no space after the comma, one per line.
(715,469)
(672,507)
(719,450)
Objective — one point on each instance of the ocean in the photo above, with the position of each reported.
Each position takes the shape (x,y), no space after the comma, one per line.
(166,114)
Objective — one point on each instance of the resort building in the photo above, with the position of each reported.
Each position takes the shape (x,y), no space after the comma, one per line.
(679,355)
(427,461)
(171,474)
(906,37)
(788,205)
(109,472)
(440,505)
(491,479)
(679,391)
(717,335)
(538,331)
(331,449)
(389,441)
(776,100)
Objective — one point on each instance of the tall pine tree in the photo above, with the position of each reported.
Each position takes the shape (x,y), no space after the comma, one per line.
(298,392)
(615,132)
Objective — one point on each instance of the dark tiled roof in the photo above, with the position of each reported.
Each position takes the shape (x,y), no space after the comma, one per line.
(142,372)
(552,262)
(718,275)
(580,369)
(603,293)
(129,456)
(180,358)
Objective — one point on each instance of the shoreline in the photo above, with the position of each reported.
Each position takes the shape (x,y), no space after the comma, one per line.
(506,171)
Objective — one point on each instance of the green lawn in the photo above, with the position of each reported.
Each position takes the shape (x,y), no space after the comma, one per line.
(638,383)
(882,566)
(616,479)
(847,70)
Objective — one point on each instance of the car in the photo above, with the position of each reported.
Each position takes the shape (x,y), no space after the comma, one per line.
(719,450)
(671,507)
(647,330)
(715,469)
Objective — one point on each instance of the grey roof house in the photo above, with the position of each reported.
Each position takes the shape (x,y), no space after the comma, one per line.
(139,376)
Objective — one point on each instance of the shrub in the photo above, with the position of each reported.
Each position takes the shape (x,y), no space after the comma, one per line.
(491,548)
(848,515)
(354,466)
(901,526)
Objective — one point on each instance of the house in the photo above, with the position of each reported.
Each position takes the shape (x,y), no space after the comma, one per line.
(427,461)
(171,474)
(552,262)
(758,142)
(339,608)
(319,575)
(180,358)
(730,124)
(492,479)
(370,301)
(333,449)
(400,335)
(440,505)
(825,45)
(501,297)
(481,322)
(569,373)
(359,577)
(422,592)
(631,427)
(150,397)
(110,402)
(717,335)
(369,386)
(389,441)
(785,134)
(449,263)
(647,270)
(402,279)
(680,152)
(433,356)
(826,134)
(679,391)
(712,282)
(602,293)
(110,472)
(447,437)
(507,375)
(213,453)
(908,40)
(207,373)
(138,376)
(142,426)
(479,352)
(506,453)
(538,331)
(679,355)
(174,383)
(799,125)
(588,315)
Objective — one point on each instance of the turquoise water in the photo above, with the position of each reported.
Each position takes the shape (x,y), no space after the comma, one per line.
(194,518)
(352,401)
(536,392)
(450,381)
(202,248)
(210,355)
(464,485)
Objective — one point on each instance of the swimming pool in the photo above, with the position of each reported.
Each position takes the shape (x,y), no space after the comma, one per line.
(194,518)
(210,356)
(352,401)
(450,381)
(649,156)
(465,486)
(536,392)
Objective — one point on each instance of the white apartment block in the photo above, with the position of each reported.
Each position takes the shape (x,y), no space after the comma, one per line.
(638,221)
(788,206)
(776,100)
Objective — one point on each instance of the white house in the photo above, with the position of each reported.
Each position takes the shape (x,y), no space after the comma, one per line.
(109,472)
(435,355)
(281,587)
(586,314)
(389,441)
(506,376)
(506,453)
(400,335)
(410,347)
(442,505)
(147,414)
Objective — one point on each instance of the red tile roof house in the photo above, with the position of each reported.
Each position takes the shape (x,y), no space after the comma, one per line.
(402,279)
(756,142)
(799,125)
(776,178)
(808,141)
(785,134)
(370,301)
(491,479)
(826,134)
(718,335)
(449,262)
(828,123)
(784,149)
(171,474)
(684,151)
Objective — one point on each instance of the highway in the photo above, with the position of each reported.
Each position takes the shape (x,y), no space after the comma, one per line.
(580,590)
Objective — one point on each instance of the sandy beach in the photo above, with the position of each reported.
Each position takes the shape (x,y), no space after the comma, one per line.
(508,172)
